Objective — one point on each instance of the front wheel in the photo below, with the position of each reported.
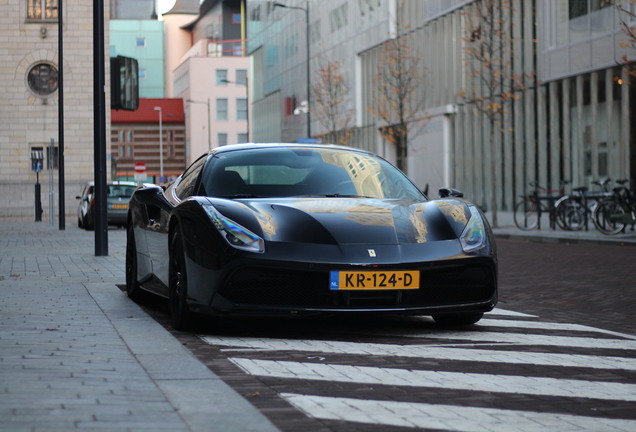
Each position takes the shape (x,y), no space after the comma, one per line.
(457,319)
(133,288)
(570,214)
(607,217)
(526,214)
(180,315)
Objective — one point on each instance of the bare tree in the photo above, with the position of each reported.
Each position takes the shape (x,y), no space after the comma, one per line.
(398,99)
(626,15)
(489,62)
(331,102)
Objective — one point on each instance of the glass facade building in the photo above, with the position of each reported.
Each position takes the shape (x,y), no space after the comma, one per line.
(569,118)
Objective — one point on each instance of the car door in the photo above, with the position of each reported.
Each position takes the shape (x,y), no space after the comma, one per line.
(159,218)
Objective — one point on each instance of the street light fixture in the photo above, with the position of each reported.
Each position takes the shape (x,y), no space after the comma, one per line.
(209,131)
(160,142)
(306,10)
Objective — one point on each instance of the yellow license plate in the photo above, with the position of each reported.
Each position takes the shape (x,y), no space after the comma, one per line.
(374,280)
(120,206)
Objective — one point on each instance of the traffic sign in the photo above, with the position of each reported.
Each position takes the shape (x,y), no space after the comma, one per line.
(140,171)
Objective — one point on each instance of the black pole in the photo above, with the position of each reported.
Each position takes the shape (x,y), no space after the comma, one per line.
(38,198)
(308,70)
(99,112)
(60,108)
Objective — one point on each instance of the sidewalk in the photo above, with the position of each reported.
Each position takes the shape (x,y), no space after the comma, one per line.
(77,354)
(507,229)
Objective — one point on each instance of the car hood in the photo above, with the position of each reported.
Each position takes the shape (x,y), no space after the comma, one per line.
(347,220)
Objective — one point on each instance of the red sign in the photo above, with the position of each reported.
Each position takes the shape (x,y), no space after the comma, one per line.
(140,167)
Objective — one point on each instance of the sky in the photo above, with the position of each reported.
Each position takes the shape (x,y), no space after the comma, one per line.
(164,6)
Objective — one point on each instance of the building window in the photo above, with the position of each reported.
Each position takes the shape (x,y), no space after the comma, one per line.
(241,109)
(221,138)
(221,77)
(579,8)
(314,32)
(42,79)
(140,42)
(41,10)
(241,76)
(221,109)
(241,138)
(338,17)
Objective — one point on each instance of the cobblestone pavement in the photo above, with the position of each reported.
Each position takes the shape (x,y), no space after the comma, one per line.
(76,354)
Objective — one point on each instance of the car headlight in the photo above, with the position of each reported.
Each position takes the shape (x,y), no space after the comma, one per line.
(473,237)
(234,234)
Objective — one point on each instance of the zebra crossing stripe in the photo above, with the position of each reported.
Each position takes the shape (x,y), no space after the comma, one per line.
(505,312)
(424,351)
(448,417)
(439,379)
(476,336)
(548,326)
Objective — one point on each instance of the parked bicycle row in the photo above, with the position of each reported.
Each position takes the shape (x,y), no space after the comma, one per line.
(610,206)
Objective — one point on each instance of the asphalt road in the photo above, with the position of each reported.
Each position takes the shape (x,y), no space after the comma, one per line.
(559,353)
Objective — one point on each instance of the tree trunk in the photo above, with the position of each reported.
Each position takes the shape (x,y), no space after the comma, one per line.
(493,173)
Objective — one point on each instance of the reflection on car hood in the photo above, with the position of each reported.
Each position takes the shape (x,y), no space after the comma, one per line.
(348,220)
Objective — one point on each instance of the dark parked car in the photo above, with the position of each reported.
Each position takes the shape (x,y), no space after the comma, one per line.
(117,196)
(296,229)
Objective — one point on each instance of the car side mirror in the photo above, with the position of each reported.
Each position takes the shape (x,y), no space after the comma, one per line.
(450,192)
(78,197)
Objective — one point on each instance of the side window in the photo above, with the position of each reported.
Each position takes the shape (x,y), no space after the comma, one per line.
(188,182)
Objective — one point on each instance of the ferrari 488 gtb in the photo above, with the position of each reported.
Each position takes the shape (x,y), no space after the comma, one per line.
(299,229)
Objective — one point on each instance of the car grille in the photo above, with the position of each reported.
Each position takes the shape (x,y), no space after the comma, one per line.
(308,289)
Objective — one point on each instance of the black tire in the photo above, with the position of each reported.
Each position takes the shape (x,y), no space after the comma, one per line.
(606,217)
(79,222)
(88,222)
(570,214)
(526,215)
(133,288)
(180,315)
(458,319)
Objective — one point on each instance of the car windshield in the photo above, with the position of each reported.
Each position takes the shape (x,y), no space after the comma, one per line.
(283,172)
(120,191)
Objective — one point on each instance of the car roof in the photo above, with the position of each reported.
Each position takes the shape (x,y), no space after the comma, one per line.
(254,146)
(115,183)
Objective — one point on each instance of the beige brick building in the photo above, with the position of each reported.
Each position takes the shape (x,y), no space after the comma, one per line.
(29,103)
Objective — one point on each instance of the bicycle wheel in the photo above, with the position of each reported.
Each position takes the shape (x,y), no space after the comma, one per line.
(608,216)
(570,214)
(526,214)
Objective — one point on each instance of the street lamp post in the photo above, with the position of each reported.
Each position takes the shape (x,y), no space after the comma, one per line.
(209,131)
(160,142)
(306,10)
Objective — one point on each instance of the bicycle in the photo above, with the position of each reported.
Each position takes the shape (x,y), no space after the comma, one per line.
(528,211)
(613,214)
(574,210)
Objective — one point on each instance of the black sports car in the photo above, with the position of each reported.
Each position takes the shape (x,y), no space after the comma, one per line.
(295,229)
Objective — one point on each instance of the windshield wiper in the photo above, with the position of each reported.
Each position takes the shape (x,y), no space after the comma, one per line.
(236,196)
(337,195)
